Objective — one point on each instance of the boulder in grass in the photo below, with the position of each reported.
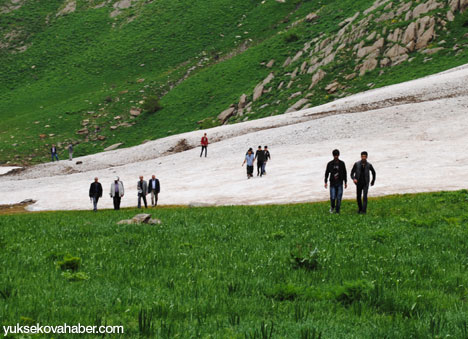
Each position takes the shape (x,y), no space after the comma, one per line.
(125,222)
(154,222)
(141,218)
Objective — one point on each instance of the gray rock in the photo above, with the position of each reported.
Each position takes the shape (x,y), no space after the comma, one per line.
(226,114)
(141,218)
(134,112)
(317,77)
(270,63)
(297,105)
(113,147)
(154,222)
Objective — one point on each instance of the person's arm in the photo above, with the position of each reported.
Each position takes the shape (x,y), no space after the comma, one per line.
(110,192)
(345,175)
(373,174)
(327,173)
(100,190)
(158,186)
(353,174)
(244,161)
(90,190)
(123,191)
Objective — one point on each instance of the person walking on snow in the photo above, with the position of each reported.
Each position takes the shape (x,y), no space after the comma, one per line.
(267,157)
(117,192)
(260,157)
(70,152)
(204,145)
(336,170)
(361,178)
(95,192)
(154,188)
(249,159)
(142,188)
(53,152)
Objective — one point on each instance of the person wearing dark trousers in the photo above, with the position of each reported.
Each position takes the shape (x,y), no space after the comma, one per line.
(267,157)
(361,178)
(95,192)
(53,152)
(70,152)
(260,157)
(204,145)
(336,171)
(142,188)
(154,188)
(117,192)
(249,159)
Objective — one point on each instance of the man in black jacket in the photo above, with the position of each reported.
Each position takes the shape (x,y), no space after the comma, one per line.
(154,188)
(336,170)
(361,177)
(95,192)
(260,156)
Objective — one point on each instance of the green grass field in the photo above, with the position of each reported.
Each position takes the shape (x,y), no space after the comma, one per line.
(290,271)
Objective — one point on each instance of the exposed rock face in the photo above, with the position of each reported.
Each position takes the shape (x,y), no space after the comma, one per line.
(311,17)
(70,7)
(410,33)
(140,219)
(134,112)
(317,77)
(287,62)
(332,87)
(226,114)
(297,105)
(113,147)
(368,65)
(242,101)
(425,38)
(270,63)
(258,90)
(362,52)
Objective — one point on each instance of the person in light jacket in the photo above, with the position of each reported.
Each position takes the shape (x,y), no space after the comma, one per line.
(142,188)
(361,177)
(117,192)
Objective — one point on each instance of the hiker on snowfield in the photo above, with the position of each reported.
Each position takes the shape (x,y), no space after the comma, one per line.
(70,152)
(267,157)
(249,159)
(154,188)
(117,192)
(361,177)
(142,188)
(336,170)
(260,157)
(53,152)
(95,192)
(204,145)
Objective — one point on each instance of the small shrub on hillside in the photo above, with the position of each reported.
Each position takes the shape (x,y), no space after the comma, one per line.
(151,105)
(70,263)
(291,37)
(284,292)
(308,261)
(353,291)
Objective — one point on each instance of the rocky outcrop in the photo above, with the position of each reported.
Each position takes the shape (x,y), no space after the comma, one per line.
(297,105)
(140,219)
(317,77)
(258,90)
(226,114)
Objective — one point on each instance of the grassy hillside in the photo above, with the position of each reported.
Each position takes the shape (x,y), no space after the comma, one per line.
(69,65)
(246,272)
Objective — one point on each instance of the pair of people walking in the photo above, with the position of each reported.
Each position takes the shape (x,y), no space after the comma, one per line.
(262,156)
(116,192)
(337,175)
(54,153)
(144,188)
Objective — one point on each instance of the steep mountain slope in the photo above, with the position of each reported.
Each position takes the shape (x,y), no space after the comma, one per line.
(80,71)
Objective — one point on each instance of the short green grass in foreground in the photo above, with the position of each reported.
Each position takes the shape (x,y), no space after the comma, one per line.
(292,271)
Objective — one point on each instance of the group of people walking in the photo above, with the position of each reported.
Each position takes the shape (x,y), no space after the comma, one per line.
(54,153)
(262,156)
(117,191)
(336,174)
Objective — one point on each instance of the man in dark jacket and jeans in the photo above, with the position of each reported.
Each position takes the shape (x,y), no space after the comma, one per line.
(361,177)
(260,157)
(336,170)
(95,192)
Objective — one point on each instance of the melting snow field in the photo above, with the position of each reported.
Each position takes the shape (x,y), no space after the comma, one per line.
(415,133)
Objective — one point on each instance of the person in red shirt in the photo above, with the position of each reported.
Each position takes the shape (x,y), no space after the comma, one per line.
(204,145)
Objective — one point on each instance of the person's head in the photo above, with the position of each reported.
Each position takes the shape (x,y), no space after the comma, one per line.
(266,147)
(117,179)
(259,147)
(153,176)
(141,177)
(336,154)
(364,156)
(53,145)
(249,151)
(96,179)
(205,134)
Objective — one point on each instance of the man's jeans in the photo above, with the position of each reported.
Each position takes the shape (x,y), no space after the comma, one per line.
(95,201)
(361,190)
(56,157)
(336,193)
(142,196)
